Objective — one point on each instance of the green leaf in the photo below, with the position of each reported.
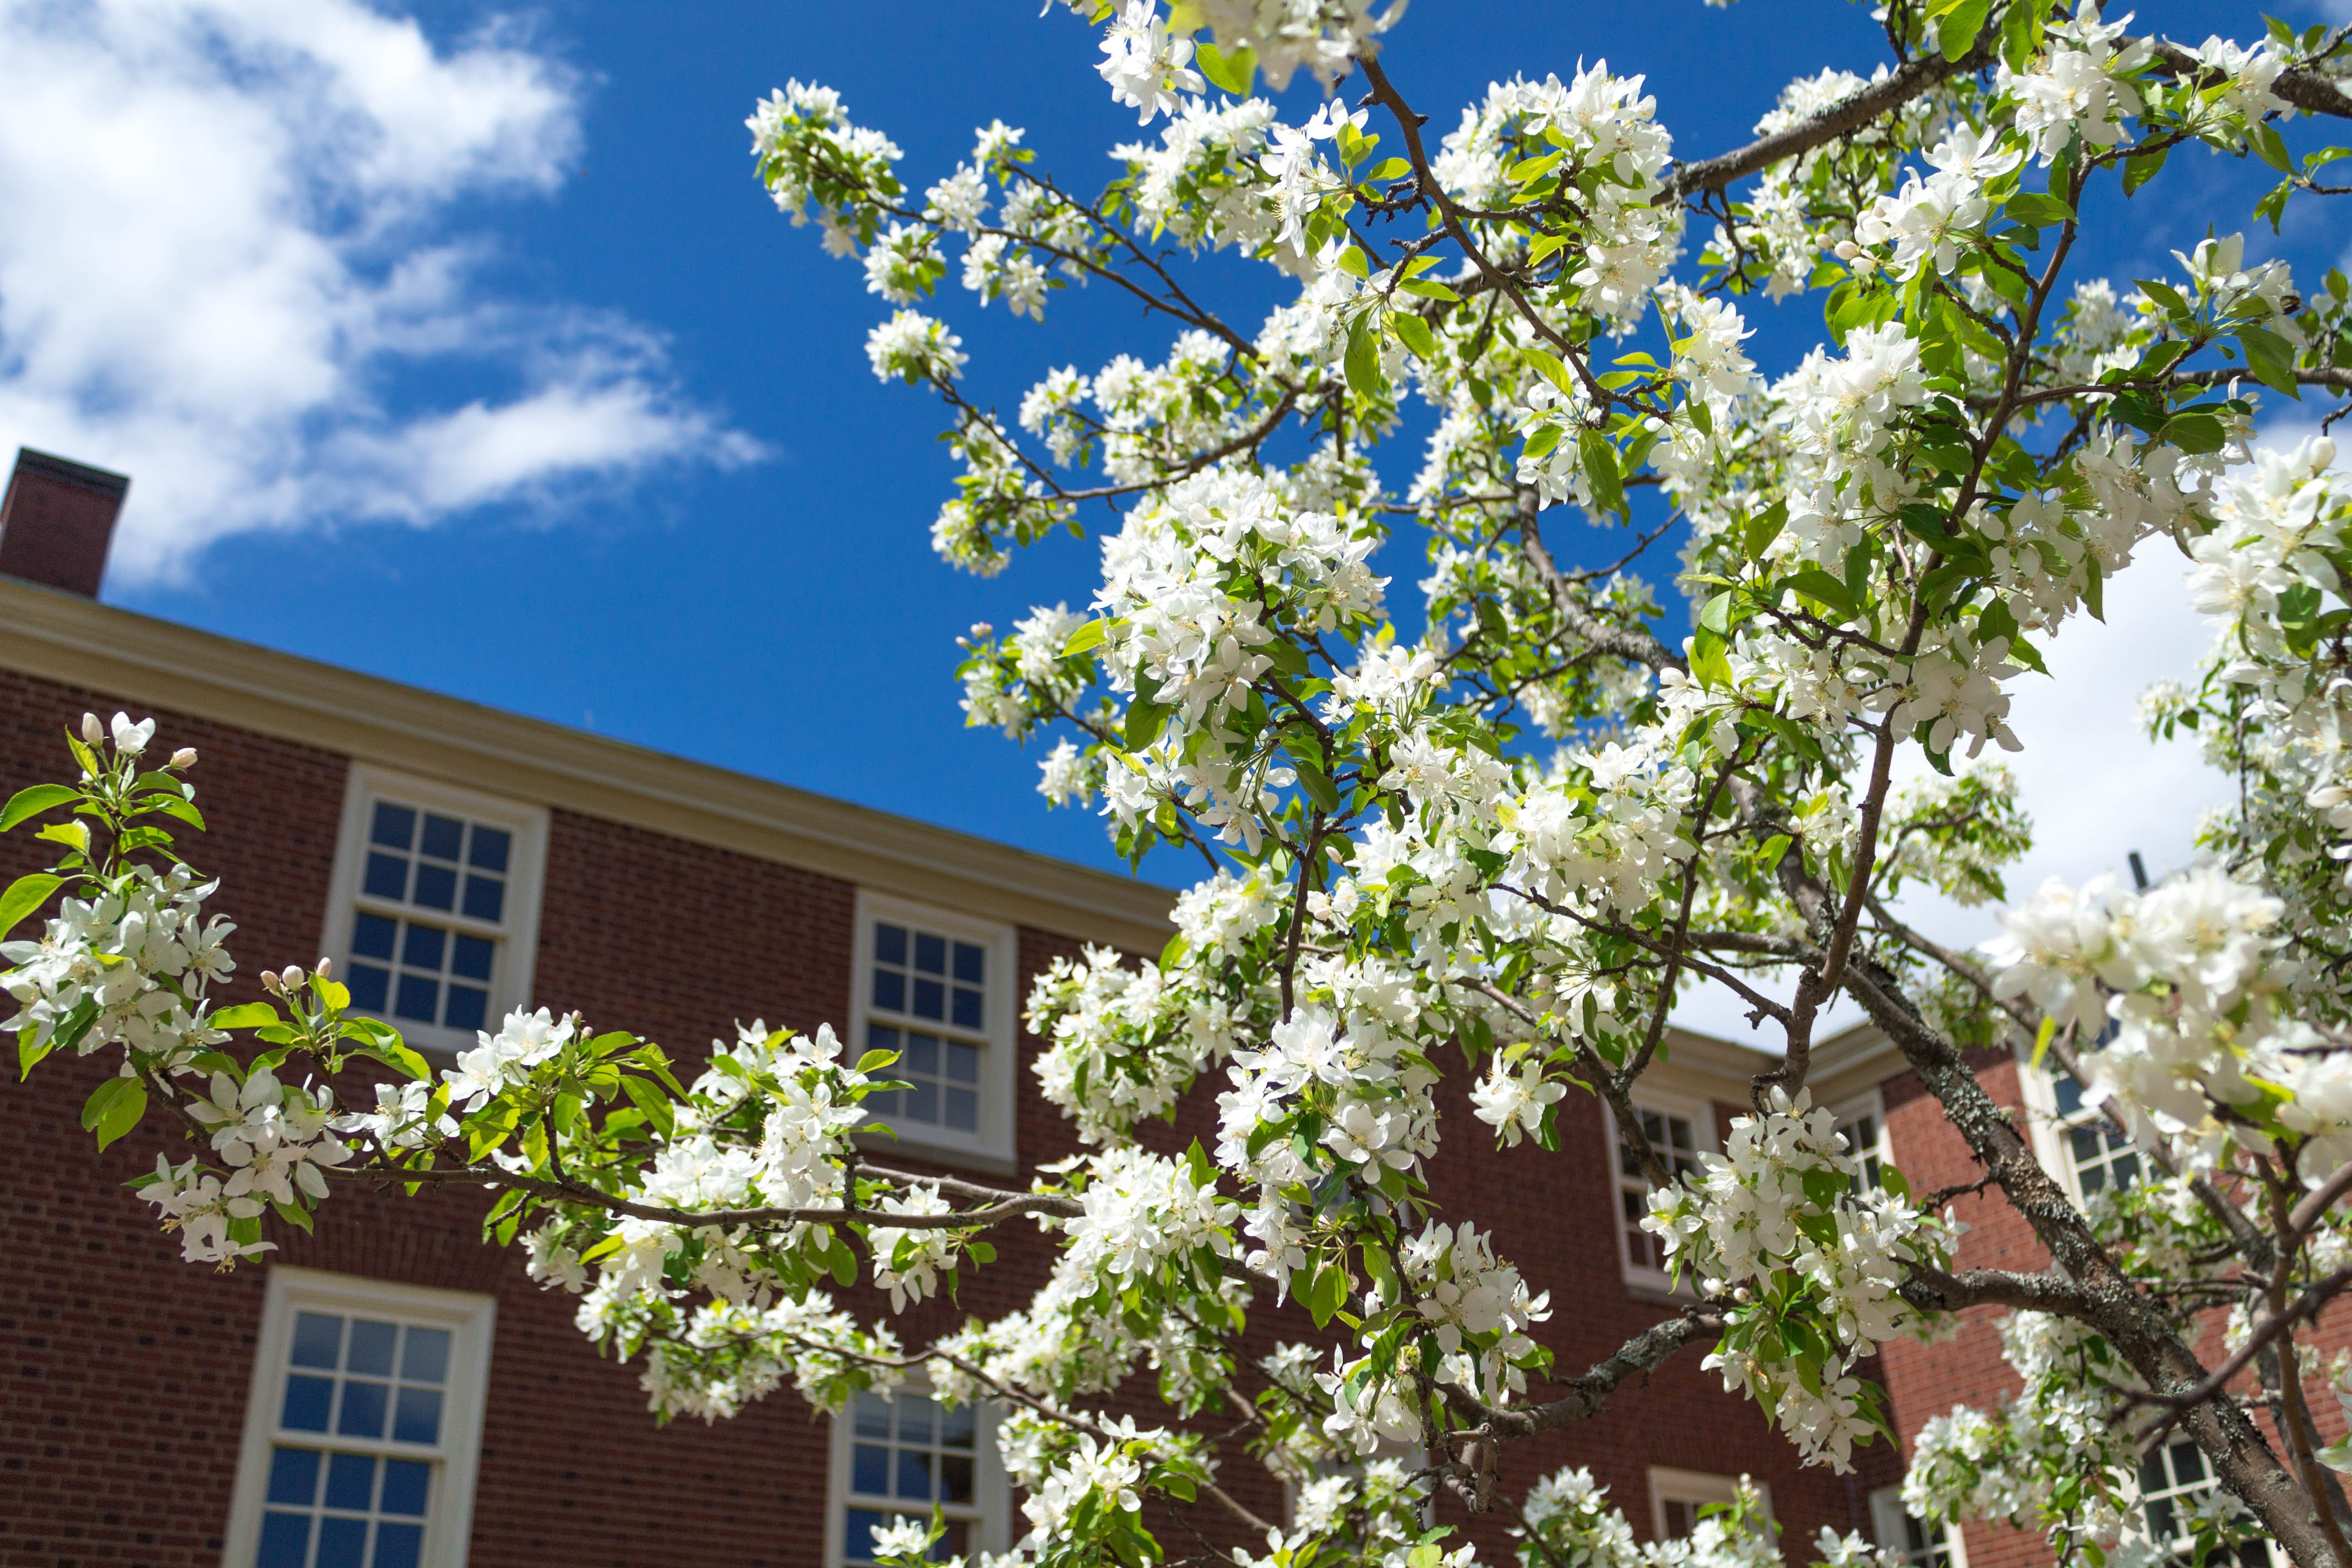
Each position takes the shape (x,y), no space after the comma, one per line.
(1363,364)
(2271,148)
(1816,584)
(2040,210)
(2141,169)
(393,1054)
(648,1097)
(1708,657)
(1600,469)
(1765,527)
(1231,69)
(1956,33)
(1173,954)
(25,895)
(1429,288)
(1087,638)
(2193,431)
(1415,333)
(34,801)
(75,834)
(2271,359)
(2042,1039)
(114,1107)
(1143,723)
(1319,786)
(246,1015)
(28,1053)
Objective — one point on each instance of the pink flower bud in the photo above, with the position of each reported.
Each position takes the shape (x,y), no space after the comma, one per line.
(92,730)
(185,757)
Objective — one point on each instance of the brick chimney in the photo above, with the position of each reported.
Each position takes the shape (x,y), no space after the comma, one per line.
(58,520)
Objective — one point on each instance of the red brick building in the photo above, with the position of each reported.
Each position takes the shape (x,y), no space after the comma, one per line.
(394,1391)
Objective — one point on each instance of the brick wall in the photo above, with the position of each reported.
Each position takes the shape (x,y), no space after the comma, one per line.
(123,1372)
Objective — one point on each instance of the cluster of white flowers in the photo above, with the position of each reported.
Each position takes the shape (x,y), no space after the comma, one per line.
(1123,1043)
(129,967)
(1927,223)
(2081,87)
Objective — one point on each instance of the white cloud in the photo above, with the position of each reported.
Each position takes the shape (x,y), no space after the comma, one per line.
(225,238)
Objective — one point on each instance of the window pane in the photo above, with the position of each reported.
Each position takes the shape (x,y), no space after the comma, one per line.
(959,1427)
(423,947)
(417,1417)
(407,1484)
(955,1478)
(426,1357)
(891,944)
(395,825)
(970,964)
(387,877)
(873,1416)
(857,1534)
(890,990)
(930,1000)
(470,956)
(879,1038)
(442,834)
(922,1102)
(370,987)
(963,1062)
(371,936)
(914,1478)
(922,1056)
(486,897)
(350,1482)
(963,1110)
(885,1103)
(931,953)
(318,1340)
(437,887)
(915,1418)
(307,1402)
(398,1545)
(294,1476)
(468,1008)
(371,1348)
(285,1540)
(869,1470)
(967,1009)
(363,1410)
(342,1542)
(488,852)
(419,997)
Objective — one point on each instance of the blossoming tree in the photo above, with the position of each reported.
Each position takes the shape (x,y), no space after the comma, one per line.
(1498,848)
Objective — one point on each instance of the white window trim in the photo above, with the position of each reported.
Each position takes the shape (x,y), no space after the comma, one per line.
(2039,1088)
(1697,1488)
(449,1528)
(1887,1516)
(991,1491)
(991,1149)
(1700,1113)
(526,879)
(1872,1103)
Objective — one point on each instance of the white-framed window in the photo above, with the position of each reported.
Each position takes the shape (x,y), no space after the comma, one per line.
(1680,1130)
(433,919)
(896,1456)
(1915,1542)
(363,1426)
(1677,1496)
(1861,1121)
(938,988)
(2171,1479)
(2076,1141)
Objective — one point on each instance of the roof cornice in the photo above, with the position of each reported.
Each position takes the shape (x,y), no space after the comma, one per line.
(65,637)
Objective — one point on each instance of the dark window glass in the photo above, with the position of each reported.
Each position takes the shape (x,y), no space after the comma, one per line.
(307,1400)
(371,1348)
(417,1417)
(914,1473)
(471,957)
(890,990)
(488,850)
(350,1481)
(879,1038)
(922,1056)
(398,1545)
(486,897)
(364,1410)
(371,936)
(442,834)
(2069,1092)
(857,1535)
(931,953)
(891,944)
(426,1357)
(419,998)
(405,1483)
(970,964)
(963,1110)
(885,1104)
(396,827)
(930,999)
(467,1009)
(869,1470)
(387,877)
(955,1478)
(423,947)
(967,1009)
(318,1340)
(369,987)
(342,1542)
(437,887)
(285,1540)
(963,1062)
(294,1476)
(922,1102)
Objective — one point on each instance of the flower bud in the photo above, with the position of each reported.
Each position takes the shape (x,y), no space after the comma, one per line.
(326,968)
(293,978)
(92,730)
(185,757)
(270,981)
(1846,250)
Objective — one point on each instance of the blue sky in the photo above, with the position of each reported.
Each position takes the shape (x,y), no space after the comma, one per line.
(461,346)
